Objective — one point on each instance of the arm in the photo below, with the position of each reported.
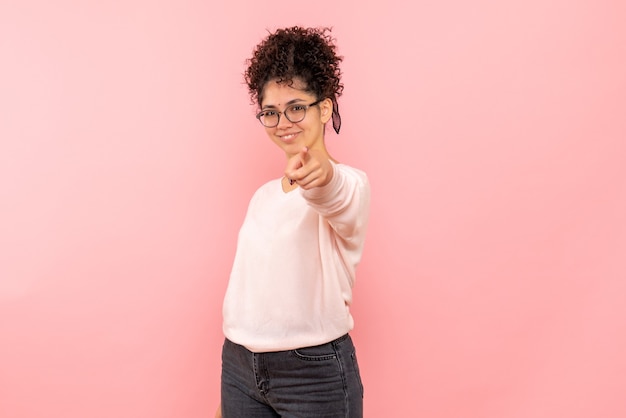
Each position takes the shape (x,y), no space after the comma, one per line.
(344,202)
(339,194)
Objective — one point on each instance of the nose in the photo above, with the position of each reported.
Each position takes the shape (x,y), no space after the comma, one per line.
(283,122)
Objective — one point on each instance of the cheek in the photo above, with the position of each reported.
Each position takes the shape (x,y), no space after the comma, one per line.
(269,131)
(317,127)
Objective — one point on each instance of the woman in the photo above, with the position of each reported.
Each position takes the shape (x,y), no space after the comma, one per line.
(287,351)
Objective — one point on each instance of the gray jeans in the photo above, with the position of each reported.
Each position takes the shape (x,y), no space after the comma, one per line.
(320,381)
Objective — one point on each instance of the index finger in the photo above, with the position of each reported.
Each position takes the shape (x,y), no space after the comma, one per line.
(296,162)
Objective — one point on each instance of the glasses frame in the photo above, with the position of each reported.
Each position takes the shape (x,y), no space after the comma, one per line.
(306,107)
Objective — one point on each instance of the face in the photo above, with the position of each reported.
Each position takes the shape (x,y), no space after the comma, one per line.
(289,136)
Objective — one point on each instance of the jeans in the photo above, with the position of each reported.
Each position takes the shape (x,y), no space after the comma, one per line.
(320,381)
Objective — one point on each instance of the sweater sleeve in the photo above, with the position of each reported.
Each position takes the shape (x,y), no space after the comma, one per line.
(343,202)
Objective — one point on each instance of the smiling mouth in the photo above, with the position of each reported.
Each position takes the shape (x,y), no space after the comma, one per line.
(288,138)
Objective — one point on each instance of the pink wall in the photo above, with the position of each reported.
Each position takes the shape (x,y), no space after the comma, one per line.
(494,134)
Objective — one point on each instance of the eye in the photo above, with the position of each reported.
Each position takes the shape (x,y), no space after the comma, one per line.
(297,108)
(268,113)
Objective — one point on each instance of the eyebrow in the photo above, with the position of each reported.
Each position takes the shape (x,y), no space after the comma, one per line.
(290,102)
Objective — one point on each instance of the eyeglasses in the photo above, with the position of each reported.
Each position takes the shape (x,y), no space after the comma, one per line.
(294,113)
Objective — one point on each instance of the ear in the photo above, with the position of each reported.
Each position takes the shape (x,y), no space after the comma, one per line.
(326,110)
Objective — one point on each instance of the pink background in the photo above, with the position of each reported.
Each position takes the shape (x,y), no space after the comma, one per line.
(494,134)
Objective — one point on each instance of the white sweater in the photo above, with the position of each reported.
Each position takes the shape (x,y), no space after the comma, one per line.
(292,277)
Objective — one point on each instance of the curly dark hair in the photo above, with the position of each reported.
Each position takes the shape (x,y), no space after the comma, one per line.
(305,53)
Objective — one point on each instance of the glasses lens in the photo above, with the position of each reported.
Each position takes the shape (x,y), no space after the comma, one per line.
(295,113)
(269,118)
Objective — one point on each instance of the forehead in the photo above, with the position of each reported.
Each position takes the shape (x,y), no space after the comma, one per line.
(277,93)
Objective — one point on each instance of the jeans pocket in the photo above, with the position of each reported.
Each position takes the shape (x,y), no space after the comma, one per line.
(357,372)
(316,353)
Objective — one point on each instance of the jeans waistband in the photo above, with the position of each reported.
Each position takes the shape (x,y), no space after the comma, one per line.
(333,343)
(340,339)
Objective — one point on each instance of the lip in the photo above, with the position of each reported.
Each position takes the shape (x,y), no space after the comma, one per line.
(288,138)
